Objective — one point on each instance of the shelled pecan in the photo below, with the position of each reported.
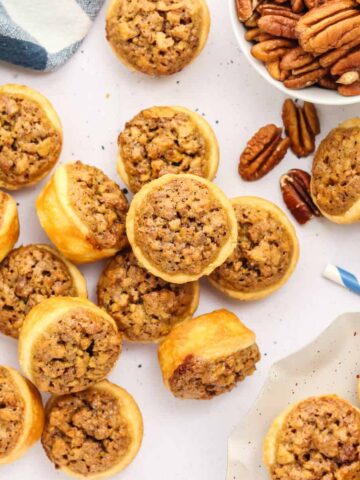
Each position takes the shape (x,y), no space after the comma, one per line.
(295,189)
(263,152)
(278,20)
(275,71)
(301,126)
(305,79)
(328,82)
(271,50)
(347,68)
(245,8)
(329,26)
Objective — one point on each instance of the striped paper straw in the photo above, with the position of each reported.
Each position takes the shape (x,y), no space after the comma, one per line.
(342,277)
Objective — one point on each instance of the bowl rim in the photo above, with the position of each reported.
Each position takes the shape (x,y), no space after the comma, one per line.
(323,97)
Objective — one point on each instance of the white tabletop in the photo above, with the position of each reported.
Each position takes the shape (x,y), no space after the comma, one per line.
(95,95)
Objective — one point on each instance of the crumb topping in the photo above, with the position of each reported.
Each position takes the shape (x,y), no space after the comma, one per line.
(319,440)
(144,307)
(100,204)
(12,410)
(336,171)
(77,351)
(202,380)
(181,226)
(29,144)
(29,275)
(159,141)
(86,432)
(157,37)
(262,255)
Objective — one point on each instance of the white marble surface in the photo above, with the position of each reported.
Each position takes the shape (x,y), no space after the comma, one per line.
(94,96)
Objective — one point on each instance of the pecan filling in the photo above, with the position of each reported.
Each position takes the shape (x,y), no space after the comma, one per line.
(77,351)
(156,37)
(181,226)
(86,433)
(12,410)
(320,440)
(158,142)
(143,306)
(336,171)
(100,204)
(199,379)
(29,275)
(262,255)
(29,144)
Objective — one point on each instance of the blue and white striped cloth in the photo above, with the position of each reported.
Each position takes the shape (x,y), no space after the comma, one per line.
(44,34)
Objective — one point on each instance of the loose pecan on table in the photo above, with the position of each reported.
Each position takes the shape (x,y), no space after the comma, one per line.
(295,189)
(301,126)
(263,152)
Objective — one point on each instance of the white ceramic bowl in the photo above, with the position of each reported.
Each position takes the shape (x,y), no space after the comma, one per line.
(311,94)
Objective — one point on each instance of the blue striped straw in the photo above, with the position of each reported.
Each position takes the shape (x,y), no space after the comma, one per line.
(342,277)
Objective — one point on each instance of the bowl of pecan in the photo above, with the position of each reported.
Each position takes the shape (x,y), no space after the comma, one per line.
(309,49)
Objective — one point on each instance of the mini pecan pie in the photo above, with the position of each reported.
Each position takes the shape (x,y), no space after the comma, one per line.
(144,307)
(67,344)
(266,253)
(181,227)
(163,140)
(318,438)
(83,212)
(30,136)
(29,275)
(93,434)
(157,37)
(21,415)
(335,182)
(9,224)
(208,355)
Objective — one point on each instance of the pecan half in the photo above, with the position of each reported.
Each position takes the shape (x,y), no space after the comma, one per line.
(252,21)
(295,189)
(296,58)
(328,59)
(328,82)
(275,71)
(263,152)
(301,126)
(271,50)
(348,64)
(278,20)
(306,79)
(349,90)
(297,6)
(329,26)
(245,9)
(257,35)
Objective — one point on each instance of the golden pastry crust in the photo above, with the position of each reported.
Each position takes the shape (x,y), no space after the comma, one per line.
(9,224)
(162,140)
(67,344)
(30,136)
(315,439)
(157,37)
(93,434)
(21,415)
(335,181)
(181,227)
(144,307)
(83,212)
(266,253)
(29,275)
(206,356)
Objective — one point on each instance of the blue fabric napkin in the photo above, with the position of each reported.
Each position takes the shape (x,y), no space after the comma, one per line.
(44,34)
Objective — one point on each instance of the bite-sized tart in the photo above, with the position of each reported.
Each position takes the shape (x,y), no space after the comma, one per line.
(29,275)
(163,140)
(9,224)
(93,434)
(21,415)
(317,438)
(266,253)
(157,37)
(67,344)
(144,307)
(181,227)
(30,136)
(83,213)
(335,181)
(206,356)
